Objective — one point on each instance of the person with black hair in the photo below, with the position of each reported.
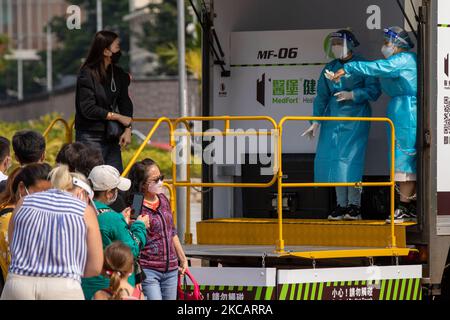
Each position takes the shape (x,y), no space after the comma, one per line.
(28,146)
(80,157)
(83,157)
(102,96)
(5,158)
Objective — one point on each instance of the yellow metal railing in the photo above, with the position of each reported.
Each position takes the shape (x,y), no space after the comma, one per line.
(167,184)
(391,183)
(173,123)
(278,173)
(147,139)
(227,120)
(67,127)
(189,133)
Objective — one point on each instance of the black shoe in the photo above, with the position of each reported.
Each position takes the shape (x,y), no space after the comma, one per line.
(412,211)
(405,212)
(353,213)
(337,214)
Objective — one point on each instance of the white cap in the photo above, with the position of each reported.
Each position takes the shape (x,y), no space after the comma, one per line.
(106,177)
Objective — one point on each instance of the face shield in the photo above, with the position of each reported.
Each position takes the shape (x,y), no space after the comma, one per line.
(338,45)
(397,39)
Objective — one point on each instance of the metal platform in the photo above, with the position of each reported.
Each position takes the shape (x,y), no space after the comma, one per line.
(298,232)
(306,252)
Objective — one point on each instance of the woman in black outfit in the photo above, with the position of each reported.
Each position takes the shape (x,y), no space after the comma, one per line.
(100,82)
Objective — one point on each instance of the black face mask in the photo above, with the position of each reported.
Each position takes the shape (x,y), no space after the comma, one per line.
(116,57)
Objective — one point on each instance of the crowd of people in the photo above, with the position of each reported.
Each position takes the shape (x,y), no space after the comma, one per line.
(67,232)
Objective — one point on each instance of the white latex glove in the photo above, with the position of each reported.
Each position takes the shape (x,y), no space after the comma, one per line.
(344,95)
(311,131)
(329,74)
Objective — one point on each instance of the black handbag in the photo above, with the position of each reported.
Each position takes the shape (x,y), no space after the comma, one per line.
(114,129)
(139,274)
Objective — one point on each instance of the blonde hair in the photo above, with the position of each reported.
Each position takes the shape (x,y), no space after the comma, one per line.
(62,179)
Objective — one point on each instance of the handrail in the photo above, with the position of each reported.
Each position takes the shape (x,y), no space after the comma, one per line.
(172,201)
(278,175)
(169,121)
(66,126)
(141,148)
(227,120)
(391,183)
(189,184)
(147,138)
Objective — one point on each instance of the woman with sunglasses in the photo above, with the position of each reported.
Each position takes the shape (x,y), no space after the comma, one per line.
(162,257)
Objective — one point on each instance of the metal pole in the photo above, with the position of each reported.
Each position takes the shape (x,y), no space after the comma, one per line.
(29,26)
(20,79)
(207,174)
(40,35)
(10,25)
(1,16)
(19,46)
(49,59)
(49,52)
(99,15)
(182,172)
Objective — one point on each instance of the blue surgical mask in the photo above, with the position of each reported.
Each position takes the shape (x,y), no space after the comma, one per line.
(387,51)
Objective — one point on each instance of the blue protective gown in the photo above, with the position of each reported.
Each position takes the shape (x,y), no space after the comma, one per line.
(398,78)
(341,149)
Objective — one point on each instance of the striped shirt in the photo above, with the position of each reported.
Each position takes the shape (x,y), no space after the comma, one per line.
(49,238)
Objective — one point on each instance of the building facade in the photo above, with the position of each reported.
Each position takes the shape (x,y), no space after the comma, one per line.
(24,21)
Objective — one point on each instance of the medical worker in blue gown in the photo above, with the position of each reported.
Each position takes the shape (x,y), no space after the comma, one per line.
(398,78)
(340,154)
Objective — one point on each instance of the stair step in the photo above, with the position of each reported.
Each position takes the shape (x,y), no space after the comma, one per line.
(297,232)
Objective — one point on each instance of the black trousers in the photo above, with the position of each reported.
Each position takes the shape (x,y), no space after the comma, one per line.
(110,150)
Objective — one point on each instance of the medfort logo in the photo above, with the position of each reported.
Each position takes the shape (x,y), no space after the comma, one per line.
(286,100)
(261,89)
(286,91)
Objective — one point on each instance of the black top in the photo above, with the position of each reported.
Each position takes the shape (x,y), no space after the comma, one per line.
(93,99)
(3,185)
(6,211)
